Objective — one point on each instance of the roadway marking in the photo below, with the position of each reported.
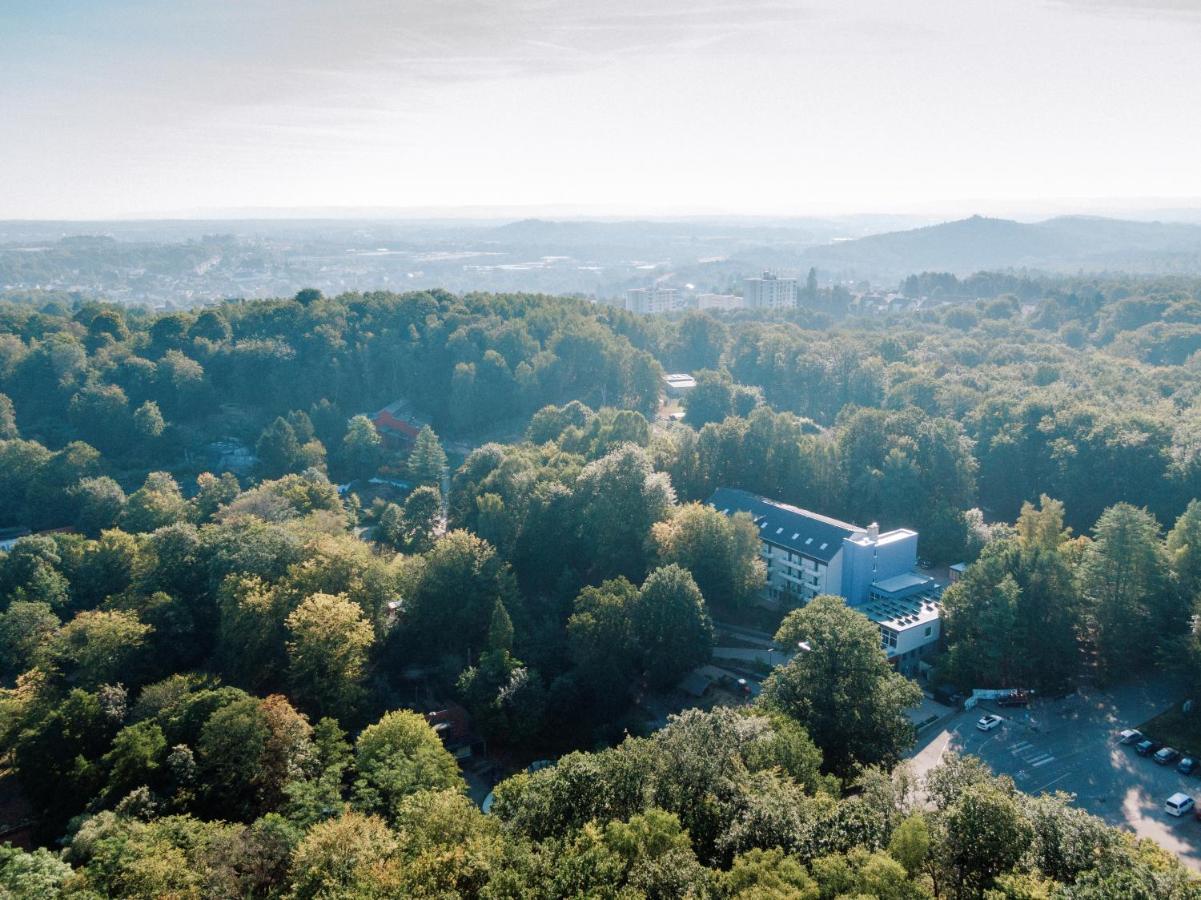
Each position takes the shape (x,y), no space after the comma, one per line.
(1019,748)
(1043,762)
(1052,781)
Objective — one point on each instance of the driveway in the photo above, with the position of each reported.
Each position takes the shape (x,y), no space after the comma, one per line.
(1070,745)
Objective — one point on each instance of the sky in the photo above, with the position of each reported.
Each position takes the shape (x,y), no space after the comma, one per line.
(131,108)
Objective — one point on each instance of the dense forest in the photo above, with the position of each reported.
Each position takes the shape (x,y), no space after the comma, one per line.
(209,675)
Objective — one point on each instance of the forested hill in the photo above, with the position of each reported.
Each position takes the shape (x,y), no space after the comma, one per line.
(239,652)
(1066,244)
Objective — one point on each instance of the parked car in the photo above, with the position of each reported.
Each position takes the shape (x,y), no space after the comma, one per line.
(1166,756)
(1130,736)
(1179,805)
(1187,765)
(989,722)
(1146,747)
(1017,698)
(948,696)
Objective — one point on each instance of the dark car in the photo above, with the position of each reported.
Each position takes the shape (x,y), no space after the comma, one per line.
(1187,765)
(1147,747)
(948,696)
(1166,756)
(1017,698)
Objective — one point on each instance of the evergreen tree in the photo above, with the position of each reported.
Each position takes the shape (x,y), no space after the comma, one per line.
(500,629)
(427,458)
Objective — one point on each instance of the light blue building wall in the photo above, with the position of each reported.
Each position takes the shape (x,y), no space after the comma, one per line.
(871,557)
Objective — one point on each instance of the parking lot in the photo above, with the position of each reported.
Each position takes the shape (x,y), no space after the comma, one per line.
(1071,745)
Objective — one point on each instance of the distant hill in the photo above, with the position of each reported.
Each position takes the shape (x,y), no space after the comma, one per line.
(1068,243)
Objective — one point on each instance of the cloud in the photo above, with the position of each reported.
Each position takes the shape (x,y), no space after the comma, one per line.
(266,51)
(1143,8)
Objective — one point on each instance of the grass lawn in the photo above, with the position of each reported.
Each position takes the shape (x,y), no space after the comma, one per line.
(1176,729)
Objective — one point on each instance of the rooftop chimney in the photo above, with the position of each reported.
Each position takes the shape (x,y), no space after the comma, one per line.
(873,531)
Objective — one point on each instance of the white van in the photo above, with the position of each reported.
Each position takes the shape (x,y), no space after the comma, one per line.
(1178,805)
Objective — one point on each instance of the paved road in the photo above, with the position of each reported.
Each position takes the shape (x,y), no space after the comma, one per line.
(1070,745)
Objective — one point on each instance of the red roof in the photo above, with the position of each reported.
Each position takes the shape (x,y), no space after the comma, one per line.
(385,420)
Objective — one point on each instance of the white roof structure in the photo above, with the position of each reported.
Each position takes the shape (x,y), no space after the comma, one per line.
(900,615)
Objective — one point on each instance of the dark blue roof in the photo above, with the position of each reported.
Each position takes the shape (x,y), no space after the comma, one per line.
(816,536)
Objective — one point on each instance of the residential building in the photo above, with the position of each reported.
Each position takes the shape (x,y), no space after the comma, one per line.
(398,425)
(231,455)
(808,554)
(651,300)
(769,291)
(678,384)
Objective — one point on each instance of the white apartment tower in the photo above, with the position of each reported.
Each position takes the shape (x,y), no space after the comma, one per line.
(651,301)
(769,291)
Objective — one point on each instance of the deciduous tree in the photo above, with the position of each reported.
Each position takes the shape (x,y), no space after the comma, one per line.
(840,687)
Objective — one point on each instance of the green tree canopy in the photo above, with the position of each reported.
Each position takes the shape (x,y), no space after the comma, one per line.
(398,756)
(840,687)
(327,652)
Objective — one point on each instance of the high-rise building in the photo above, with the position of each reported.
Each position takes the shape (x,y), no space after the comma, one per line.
(651,300)
(769,292)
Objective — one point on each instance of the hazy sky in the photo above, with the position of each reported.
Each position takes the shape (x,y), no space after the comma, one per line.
(123,107)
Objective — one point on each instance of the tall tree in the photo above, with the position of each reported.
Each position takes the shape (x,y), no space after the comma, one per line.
(449,608)
(362,448)
(100,647)
(602,640)
(1015,618)
(619,497)
(101,504)
(327,653)
(672,628)
(398,756)
(8,419)
(721,552)
(148,423)
(157,503)
(427,458)
(840,687)
(278,450)
(1184,552)
(1132,604)
(711,400)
